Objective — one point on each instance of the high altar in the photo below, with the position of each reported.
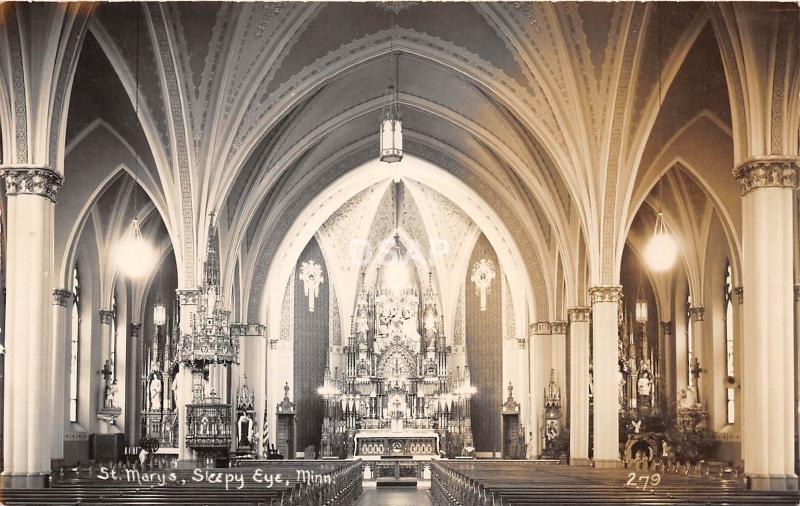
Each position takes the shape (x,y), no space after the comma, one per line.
(396,397)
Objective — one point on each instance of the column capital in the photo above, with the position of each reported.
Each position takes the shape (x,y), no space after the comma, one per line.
(189,297)
(558,327)
(666,327)
(136,329)
(697,313)
(31,180)
(62,297)
(539,328)
(579,314)
(767,172)
(605,293)
(106,316)
(738,294)
(521,343)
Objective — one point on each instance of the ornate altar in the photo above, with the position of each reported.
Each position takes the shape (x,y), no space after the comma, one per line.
(552,417)
(396,396)
(513,431)
(245,422)
(638,374)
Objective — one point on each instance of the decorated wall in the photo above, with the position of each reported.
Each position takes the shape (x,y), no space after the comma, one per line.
(311,327)
(484,344)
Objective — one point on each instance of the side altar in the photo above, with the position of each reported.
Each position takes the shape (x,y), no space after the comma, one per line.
(397,396)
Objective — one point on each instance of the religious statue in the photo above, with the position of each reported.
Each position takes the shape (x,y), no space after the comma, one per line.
(111,393)
(245,426)
(637,426)
(687,398)
(643,385)
(155,393)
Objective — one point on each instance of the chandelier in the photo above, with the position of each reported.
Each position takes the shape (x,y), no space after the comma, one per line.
(662,250)
(391,136)
(159,313)
(134,256)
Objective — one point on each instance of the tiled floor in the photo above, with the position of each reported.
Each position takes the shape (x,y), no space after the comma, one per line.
(388,496)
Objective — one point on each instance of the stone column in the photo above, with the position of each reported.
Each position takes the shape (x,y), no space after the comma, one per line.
(523,383)
(539,359)
(667,364)
(188,300)
(28,422)
(135,402)
(605,335)
(558,333)
(767,339)
(579,386)
(62,300)
(696,318)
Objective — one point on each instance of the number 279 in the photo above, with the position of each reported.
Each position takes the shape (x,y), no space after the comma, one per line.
(644,481)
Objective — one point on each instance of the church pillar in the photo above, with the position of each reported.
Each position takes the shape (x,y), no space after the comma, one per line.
(579,386)
(667,364)
(539,356)
(696,368)
(61,303)
(558,331)
(767,339)
(605,336)
(188,300)
(28,422)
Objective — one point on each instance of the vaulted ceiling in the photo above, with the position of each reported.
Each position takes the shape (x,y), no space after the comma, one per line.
(552,113)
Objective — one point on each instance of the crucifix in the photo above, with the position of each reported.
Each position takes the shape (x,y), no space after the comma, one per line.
(106,371)
(695,370)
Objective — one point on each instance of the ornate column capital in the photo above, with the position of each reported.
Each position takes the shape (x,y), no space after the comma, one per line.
(539,328)
(767,172)
(579,314)
(521,343)
(697,313)
(666,327)
(558,327)
(189,297)
(606,293)
(136,329)
(738,294)
(106,316)
(61,297)
(31,180)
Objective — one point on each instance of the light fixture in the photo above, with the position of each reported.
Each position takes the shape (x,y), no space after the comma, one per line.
(641,310)
(134,256)
(391,136)
(661,251)
(159,313)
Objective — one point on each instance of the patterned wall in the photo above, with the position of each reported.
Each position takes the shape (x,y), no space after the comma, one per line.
(485,352)
(310,349)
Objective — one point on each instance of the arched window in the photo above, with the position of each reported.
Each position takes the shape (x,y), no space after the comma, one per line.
(689,340)
(113,357)
(730,395)
(75,334)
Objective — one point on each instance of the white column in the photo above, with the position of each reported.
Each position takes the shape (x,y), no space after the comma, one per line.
(767,341)
(558,332)
(696,319)
(579,386)
(62,299)
(605,302)
(523,384)
(28,423)
(106,318)
(539,360)
(188,300)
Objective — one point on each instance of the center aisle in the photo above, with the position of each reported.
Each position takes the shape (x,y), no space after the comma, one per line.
(394,496)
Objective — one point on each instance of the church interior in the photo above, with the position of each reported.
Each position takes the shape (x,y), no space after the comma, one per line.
(458,252)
